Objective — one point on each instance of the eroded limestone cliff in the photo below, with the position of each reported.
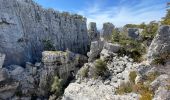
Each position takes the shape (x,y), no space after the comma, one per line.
(26,29)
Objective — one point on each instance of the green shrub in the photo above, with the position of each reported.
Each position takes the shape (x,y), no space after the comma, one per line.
(132,76)
(130,47)
(48,45)
(100,67)
(18,93)
(152,76)
(84,72)
(146,96)
(168,87)
(124,88)
(56,86)
(166,19)
(159,61)
(161,58)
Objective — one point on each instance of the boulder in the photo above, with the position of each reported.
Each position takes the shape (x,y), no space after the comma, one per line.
(160,44)
(8,90)
(8,86)
(26,81)
(95,50)
(134,33)
(109,50)
(4,75)
(2,58)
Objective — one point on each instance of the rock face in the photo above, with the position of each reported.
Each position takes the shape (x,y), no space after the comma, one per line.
(160,43)
(26,29)
(93,33)
(36,79)
(63,64)
(134,32)
(107,30)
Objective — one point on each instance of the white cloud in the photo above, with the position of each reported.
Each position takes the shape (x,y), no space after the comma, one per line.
(123,14)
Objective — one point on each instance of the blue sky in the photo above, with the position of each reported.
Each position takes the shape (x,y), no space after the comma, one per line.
(119,12)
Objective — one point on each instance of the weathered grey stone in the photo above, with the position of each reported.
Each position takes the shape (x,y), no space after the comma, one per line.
(26,29)
(98,91)
(161,81)
(63,64)
(88,88)
(107,30)
(109,50)
(93,33)
(160,44)
(8,90)
(162,94)
(4,75)
(134,33)
(2,58)
(26,81)
(95,50)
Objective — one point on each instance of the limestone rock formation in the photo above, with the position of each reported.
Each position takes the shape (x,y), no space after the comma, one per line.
(109,49)
(98,89)
(87,87)
(8,86)
(134,33)
(107,30)
(95,49)
(160,44)
(63,64)
(93,33)
(26,29)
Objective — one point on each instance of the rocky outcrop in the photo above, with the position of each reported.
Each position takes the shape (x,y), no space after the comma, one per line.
(26,29)
(87,87)
(160,44)
(8,87)
(95,49)
(134,33)
(94,90)
(101,49)
(93,33)
(107,30)
(57,63)
(99,89)
(109,50)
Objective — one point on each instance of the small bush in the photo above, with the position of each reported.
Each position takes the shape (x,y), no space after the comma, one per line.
(146,96)
(48,45)
(56,86)
(159,61)
(132,76)
(143,90)
(161,58)
(84,72)
(100,67)
(124,88)
(152,76)
(19,93)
